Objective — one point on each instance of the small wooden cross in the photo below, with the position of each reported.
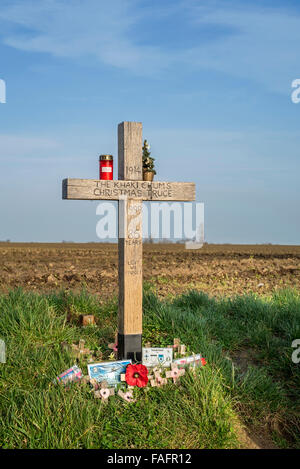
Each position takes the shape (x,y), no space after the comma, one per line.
(130,190)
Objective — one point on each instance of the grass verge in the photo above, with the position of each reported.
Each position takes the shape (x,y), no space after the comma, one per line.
(249,376)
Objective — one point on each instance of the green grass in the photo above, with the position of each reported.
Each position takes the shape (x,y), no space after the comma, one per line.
(203,412)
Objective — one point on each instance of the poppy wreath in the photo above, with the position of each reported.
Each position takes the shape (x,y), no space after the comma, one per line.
(136,375)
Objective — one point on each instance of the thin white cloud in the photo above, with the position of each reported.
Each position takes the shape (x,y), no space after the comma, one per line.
(93,28)
(260,44)
(14,146)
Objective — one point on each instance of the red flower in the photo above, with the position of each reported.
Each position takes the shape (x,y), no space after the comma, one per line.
(203,361)
(136,375)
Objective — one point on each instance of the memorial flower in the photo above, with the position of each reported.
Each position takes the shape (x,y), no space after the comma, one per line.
(203,361)
(136,375)
(105,393)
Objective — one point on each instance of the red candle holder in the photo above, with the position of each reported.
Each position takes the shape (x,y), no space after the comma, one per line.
(106,169)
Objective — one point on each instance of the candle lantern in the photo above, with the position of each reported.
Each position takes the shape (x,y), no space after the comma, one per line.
(106,167)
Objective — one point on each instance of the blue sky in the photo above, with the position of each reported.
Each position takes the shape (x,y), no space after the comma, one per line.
(210,80)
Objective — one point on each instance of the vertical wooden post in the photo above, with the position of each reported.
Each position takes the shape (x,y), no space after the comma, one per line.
(130,244)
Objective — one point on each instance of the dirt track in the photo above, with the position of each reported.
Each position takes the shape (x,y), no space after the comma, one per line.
(216,269)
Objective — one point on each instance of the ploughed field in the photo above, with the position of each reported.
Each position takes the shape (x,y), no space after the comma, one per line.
(170,268)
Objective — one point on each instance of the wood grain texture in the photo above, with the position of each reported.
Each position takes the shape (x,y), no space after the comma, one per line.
(130,151)
(130,229)
(130,267)
(94,189)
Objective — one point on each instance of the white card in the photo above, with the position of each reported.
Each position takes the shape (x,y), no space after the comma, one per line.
(155,356)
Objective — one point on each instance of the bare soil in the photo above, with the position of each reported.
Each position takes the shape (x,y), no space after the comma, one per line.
(215,269)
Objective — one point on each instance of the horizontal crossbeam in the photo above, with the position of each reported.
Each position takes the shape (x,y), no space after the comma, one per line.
(93,189)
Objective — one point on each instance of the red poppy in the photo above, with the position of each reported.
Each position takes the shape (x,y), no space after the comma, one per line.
(136,375)
(203,361)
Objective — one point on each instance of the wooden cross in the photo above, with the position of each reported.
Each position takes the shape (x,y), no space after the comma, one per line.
(130,190)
